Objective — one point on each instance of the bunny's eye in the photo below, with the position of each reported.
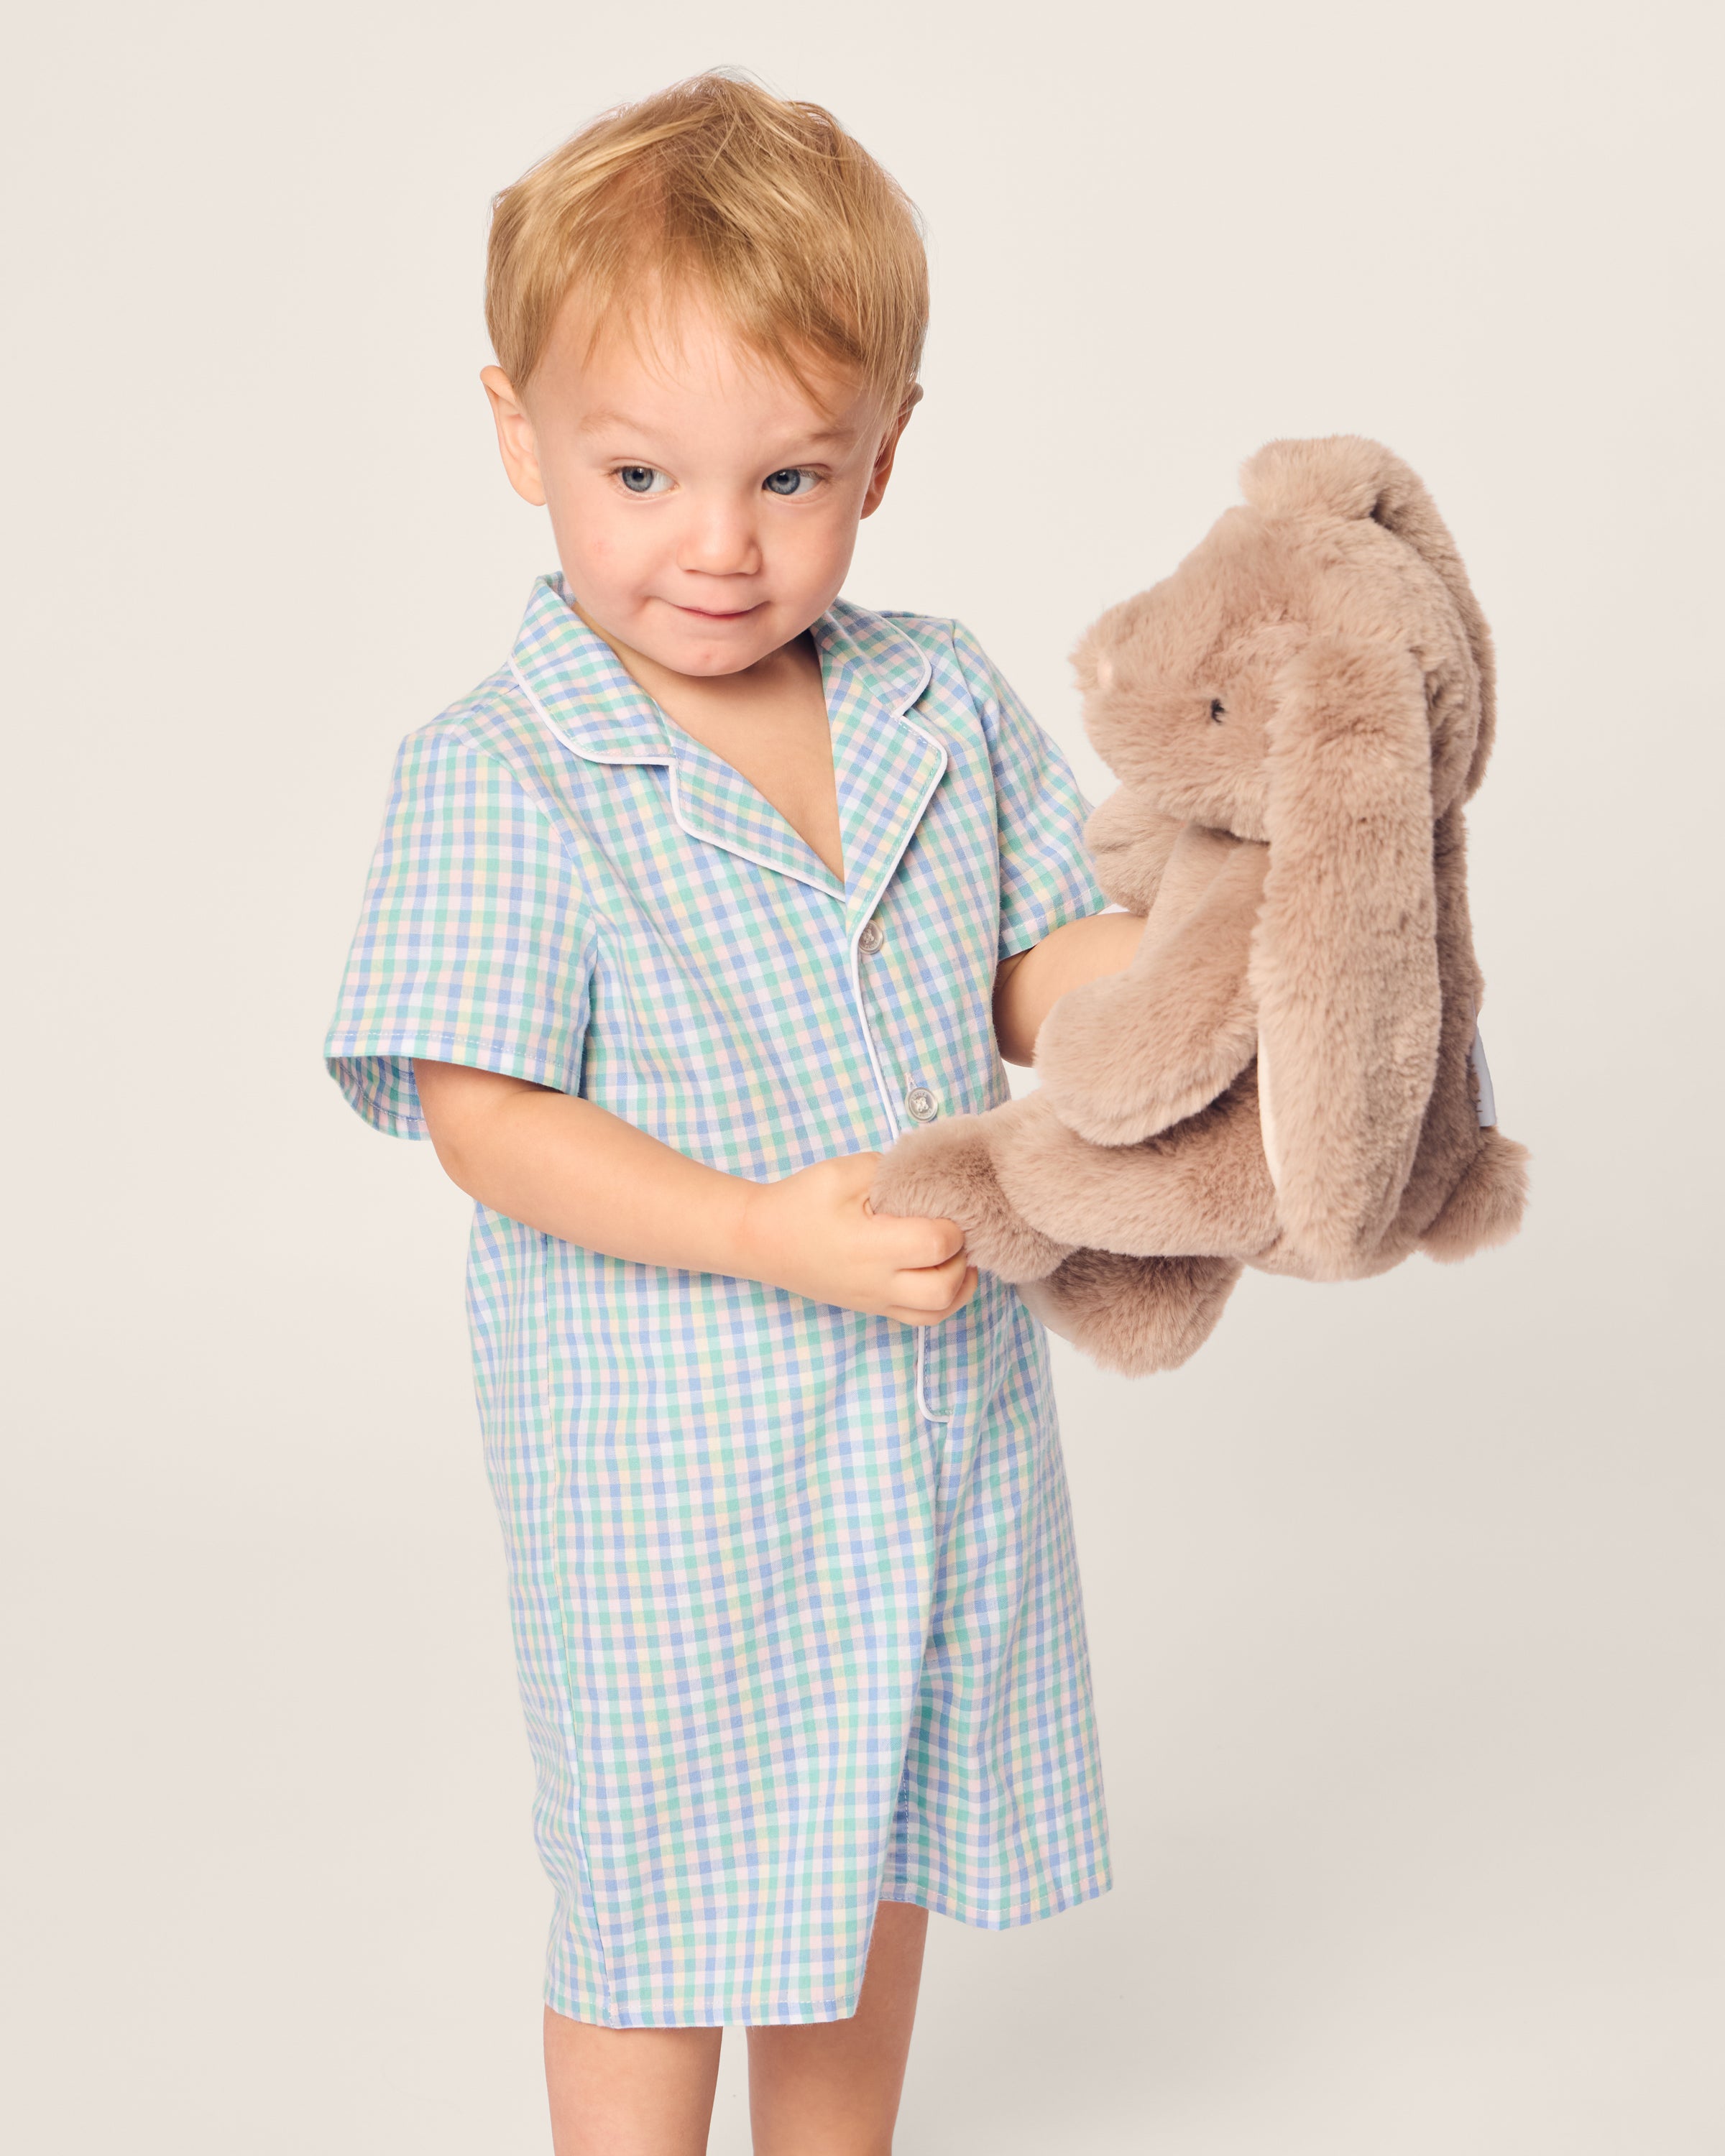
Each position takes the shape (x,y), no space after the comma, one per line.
(1215,710)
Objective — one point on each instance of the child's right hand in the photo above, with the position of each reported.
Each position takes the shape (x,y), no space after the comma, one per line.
(814,1233)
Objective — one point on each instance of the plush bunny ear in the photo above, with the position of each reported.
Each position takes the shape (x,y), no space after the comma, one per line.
(1348,476)
(1344,956)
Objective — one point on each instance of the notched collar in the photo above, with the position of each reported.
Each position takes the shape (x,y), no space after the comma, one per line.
(580,687)
(886,766)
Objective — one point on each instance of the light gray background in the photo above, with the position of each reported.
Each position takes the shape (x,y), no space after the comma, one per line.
(1405,1597)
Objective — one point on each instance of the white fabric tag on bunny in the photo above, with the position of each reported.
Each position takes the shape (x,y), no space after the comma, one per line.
(1485,1099)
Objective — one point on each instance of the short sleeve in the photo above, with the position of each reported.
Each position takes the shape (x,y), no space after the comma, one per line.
(1046,874)
(472,945)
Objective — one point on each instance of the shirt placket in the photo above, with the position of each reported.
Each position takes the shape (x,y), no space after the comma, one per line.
(908,1100)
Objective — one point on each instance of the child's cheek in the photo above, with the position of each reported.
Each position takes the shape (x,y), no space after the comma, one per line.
(817,545)
(606,552)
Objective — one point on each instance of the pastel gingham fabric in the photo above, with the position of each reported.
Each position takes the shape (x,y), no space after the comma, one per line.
(795,1604)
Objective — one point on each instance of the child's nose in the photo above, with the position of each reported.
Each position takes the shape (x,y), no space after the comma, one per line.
(719,540)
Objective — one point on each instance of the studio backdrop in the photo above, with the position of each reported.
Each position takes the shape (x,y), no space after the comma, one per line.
(1405,1596)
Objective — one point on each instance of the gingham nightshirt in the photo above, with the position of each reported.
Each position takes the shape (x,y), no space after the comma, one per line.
(795,1603)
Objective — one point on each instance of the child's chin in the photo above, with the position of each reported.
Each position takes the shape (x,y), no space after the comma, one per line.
(715,647)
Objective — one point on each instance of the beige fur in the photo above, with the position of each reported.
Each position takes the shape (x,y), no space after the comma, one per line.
(1296,715)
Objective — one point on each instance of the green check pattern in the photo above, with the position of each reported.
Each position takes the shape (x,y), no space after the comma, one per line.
(795,1602)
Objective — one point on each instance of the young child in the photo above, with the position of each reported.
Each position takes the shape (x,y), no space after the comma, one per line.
(719,883)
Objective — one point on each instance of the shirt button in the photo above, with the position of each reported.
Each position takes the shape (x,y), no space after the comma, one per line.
(872,938)
(922,1104)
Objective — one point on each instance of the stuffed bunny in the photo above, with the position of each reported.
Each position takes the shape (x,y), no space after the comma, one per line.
(1286,1076)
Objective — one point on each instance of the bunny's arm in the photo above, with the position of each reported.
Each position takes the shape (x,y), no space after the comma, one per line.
(1125,1056)
(1028,985)
(1130,841)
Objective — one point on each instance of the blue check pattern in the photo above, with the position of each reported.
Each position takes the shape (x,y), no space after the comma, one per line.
(795,1603)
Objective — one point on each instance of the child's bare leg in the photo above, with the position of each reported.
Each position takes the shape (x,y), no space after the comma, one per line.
(628,2092)
(831,2088)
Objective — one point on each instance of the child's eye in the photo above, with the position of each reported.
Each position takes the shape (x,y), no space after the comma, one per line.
(643,478)
(792,480)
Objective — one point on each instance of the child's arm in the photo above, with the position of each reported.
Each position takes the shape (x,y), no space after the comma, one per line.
(573,1170)
(1028,984)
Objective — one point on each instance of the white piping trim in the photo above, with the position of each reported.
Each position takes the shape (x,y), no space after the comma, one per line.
(743,853)
(890,1106)
(887,1100)
(586,755)
(668,761)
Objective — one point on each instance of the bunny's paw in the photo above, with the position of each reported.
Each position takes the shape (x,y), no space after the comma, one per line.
(947,1171)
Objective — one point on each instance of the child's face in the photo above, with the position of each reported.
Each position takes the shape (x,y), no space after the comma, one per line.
(705,508)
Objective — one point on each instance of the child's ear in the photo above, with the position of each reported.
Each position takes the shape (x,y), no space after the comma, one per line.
(516,440)
(889,449)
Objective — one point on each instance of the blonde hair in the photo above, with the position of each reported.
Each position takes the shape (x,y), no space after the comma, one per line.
(767,209)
